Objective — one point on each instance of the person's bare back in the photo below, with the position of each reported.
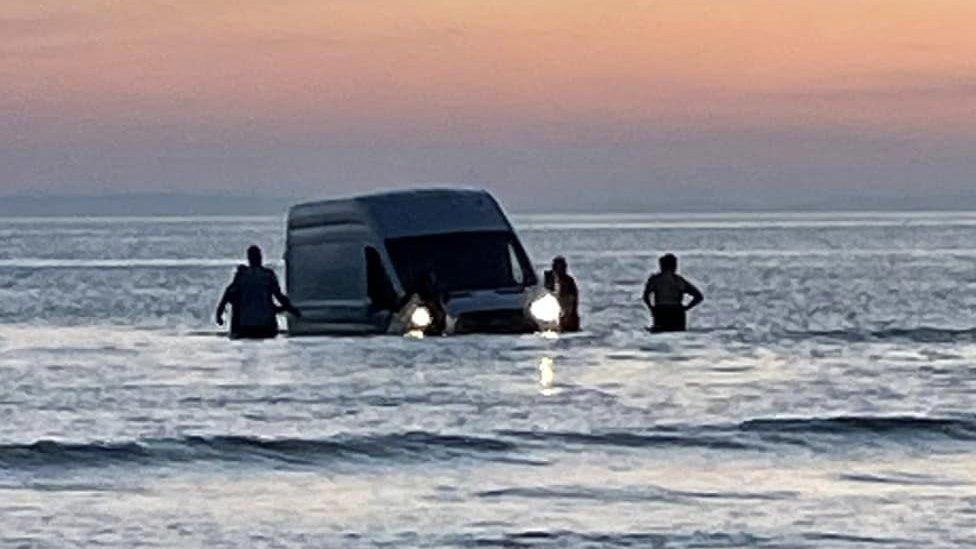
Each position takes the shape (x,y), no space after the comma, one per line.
(664,295)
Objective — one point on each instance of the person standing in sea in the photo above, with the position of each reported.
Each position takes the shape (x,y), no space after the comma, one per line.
(664,295)
(251,295)
(563,285)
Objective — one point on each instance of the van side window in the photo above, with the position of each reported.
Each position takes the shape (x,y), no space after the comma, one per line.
(517,275)
(379,289)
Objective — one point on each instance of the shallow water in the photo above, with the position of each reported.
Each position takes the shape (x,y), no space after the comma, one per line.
(824,398)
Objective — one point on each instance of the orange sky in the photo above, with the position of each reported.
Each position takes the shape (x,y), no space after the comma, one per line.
(100,75)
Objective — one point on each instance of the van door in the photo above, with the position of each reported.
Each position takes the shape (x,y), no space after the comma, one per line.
(382,296)
(325,280)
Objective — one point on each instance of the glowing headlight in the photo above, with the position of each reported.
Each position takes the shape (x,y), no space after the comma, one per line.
(545,309)
(420,318)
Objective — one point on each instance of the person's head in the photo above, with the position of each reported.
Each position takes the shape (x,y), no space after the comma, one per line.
(254,256)
(668,263)
(559,265)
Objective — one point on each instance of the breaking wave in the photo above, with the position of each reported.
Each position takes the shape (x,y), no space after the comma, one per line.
(817,433)
(247,449)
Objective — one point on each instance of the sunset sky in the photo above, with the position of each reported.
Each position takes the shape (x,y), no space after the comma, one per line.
(602,104)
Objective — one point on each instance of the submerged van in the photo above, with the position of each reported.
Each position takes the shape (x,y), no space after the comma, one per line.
(441,260)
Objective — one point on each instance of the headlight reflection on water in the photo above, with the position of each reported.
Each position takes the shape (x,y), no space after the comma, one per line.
(547,377)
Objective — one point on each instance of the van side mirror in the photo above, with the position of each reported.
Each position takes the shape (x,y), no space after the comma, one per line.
(549,279)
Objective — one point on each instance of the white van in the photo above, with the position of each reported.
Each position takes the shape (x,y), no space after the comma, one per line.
(359,265)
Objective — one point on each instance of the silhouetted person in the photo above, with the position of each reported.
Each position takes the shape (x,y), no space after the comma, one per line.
(251,296)
(432,296)
(668,289)
(559,282)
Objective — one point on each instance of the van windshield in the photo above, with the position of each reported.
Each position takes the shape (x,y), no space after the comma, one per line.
(461,261)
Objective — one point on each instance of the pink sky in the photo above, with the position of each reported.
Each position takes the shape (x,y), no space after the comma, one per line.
(522,96)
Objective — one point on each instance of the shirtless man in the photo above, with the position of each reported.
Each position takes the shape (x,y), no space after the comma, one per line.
(668,289)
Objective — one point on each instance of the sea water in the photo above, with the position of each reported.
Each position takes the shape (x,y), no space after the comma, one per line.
(823,398)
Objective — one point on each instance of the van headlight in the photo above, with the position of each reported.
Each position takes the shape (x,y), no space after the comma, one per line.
(420,318)
(545,309)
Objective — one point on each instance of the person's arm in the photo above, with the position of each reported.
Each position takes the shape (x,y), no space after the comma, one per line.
(648,290)
(572,293)
(282,298)
(225,299)
(695,293)
(222,306)
(568,297)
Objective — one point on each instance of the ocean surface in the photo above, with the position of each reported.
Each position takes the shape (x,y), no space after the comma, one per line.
(824,398)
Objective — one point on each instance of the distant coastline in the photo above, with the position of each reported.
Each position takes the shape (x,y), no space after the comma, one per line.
(141,204)
(187,204)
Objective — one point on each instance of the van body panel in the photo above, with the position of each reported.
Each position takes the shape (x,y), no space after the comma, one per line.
(307,328)
(329,233)
(415,213)
(341,275)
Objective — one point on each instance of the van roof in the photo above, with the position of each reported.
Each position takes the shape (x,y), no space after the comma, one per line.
(407,212)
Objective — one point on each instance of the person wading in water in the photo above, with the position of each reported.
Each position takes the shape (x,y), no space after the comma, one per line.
(668,289)
(559,282)
(251,296)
